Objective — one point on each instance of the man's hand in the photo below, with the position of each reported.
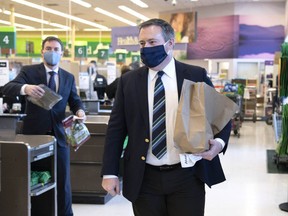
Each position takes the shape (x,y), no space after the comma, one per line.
(34,91)
(111,185)
(81,114)
(215,149)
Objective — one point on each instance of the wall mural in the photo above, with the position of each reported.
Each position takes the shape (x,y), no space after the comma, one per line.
(237,37)
(218,37)
(260,37)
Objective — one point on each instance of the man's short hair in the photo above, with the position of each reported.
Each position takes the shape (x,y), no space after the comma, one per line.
(167,30)
(52,38)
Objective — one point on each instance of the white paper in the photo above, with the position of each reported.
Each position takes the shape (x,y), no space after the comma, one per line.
(189,160)
(4,72)
(83,80)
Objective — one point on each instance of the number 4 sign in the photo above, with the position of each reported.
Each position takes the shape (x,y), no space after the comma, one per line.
(7,39)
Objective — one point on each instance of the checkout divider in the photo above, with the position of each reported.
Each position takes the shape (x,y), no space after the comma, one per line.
(21,154)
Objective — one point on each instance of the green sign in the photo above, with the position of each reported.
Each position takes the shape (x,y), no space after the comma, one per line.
(80,51)
(7,39)
(103,54)
(120,57)
(135,58)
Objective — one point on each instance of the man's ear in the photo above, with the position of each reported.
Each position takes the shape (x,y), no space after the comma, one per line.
(171,42)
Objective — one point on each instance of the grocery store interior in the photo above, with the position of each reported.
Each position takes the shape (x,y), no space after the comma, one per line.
(242,44)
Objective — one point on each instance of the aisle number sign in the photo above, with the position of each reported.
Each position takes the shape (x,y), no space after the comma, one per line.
(7,39)
(103,54)
(80,49)
(135,56)
(120,57)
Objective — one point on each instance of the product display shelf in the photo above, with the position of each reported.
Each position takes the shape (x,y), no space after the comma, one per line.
(18,158)
(277,125)
(250,103)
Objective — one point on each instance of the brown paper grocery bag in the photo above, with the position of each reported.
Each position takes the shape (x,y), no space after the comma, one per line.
(202,113)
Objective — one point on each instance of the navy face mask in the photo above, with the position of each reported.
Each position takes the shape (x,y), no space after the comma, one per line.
(153,56)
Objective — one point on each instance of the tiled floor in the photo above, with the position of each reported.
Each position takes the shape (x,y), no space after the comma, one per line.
(248,191)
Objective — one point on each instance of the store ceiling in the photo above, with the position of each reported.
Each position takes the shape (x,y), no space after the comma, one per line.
(65,6)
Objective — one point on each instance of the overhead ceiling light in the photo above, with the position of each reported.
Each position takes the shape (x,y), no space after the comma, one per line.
(82,3)
(58,13)
(174,2)
(140,3)
(107,13)
(132,12)
(41,29)
(16,25)
(63,27)
(93,30)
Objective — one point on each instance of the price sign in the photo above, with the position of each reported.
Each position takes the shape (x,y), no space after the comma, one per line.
(80,51)
(7,39)
(103,54)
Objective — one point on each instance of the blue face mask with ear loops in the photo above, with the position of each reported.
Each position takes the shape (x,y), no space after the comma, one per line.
(153,56)
(52,58)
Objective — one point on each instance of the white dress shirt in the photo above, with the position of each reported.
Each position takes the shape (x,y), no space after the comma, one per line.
(171,96)
(22,91)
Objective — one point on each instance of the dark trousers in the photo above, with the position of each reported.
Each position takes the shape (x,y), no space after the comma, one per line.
(64,193)
(173,192)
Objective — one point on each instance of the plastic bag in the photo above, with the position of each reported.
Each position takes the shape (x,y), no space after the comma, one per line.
(76,132)
(49,99)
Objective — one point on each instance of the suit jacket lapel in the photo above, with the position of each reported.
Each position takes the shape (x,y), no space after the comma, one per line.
(61,81)
(180,74)
(43,74)
(142,94)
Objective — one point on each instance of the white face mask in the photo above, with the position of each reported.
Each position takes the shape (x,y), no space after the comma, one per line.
(52,58)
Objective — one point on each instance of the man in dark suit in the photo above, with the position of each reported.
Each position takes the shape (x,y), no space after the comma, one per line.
(157,186)
(40,121)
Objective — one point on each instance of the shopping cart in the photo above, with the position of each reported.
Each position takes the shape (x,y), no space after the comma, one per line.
(238,117)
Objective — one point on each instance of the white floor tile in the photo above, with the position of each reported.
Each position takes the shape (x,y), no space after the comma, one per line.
(248,191)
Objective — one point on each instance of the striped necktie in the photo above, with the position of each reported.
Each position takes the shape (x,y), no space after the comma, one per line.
(159,148)
(52,83)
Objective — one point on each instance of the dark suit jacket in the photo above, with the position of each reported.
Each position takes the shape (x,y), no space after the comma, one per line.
(112,88)
(130,116)
(39,120)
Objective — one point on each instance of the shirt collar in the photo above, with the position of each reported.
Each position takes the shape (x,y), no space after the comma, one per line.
(169,70)
(48,69)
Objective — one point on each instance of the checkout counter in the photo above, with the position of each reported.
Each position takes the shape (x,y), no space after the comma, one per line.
(19,156)
(97,107)
(86,164)
(10,125)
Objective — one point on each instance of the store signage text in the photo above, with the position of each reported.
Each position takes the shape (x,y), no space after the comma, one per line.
(128,40)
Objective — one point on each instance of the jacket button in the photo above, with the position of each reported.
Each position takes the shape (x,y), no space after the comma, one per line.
(143,158)
(147,140)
